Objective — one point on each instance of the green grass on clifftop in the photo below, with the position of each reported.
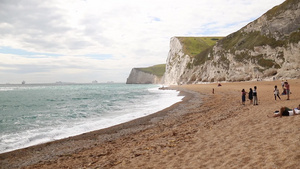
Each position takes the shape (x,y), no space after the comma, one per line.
(195,45)
(157,70)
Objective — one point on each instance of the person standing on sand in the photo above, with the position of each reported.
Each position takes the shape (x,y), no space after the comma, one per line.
(287,89)
(255,100)
(276,92)
(250,95)
(243,96)
(282,84)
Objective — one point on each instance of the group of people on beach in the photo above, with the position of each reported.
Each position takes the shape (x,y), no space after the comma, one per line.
(252,96)
(284,111)
(286,90)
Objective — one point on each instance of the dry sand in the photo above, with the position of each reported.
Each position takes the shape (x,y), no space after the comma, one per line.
(204,131)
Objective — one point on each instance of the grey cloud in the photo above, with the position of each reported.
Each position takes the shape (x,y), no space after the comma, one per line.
(40,26)
(78,44)
(50,45)
(25,69)
(32,22)
(94,28)
(32,17)
(35,68)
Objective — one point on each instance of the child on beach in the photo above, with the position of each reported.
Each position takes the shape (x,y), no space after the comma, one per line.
(276,92)
(287,89)
(284,111)
(243,96)
(255,100)
(250,95)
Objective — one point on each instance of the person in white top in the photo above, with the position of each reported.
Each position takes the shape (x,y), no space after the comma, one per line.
(276,93)
(296,111)
(284,111)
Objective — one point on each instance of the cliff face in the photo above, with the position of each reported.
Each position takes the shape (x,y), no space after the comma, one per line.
(137,76)
(176,62)
(266,48)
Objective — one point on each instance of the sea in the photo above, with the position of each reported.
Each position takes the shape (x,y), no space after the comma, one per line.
(32,114)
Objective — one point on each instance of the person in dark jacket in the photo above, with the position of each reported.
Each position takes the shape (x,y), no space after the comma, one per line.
(250,95)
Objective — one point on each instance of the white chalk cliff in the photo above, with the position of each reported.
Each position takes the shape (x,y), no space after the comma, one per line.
(137,76)
(176,62)
(266,48)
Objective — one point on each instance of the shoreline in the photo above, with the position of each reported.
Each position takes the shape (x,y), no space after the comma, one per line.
(205,130)
(53,149)
(94,117)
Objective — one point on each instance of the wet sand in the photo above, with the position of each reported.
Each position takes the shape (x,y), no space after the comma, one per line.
(204,131)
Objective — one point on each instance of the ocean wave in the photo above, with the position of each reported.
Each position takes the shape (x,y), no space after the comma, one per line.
(57,112)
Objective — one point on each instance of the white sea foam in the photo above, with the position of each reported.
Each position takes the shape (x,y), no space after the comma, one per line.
(88,119)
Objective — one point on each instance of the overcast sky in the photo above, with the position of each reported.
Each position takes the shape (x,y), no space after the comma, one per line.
(85,40)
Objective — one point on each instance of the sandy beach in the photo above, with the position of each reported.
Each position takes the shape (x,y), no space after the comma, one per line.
(205,130)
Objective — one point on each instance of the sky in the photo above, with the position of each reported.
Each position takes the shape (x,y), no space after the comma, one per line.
(81,41)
